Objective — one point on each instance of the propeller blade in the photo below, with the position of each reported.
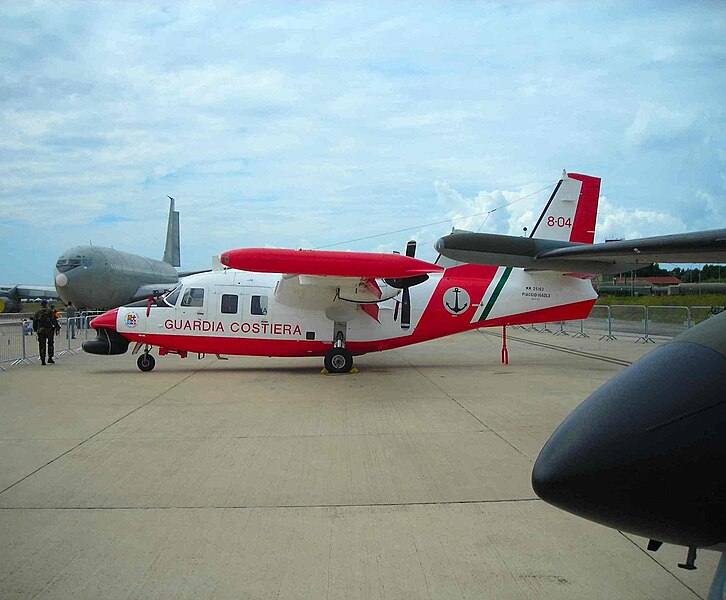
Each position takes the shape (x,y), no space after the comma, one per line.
(406,282)
(411,248)
(406,309)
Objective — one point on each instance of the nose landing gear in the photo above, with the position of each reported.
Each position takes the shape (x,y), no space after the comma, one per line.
(146,362)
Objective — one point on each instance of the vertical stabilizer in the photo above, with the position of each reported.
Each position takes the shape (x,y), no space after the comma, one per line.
(571,210)
(172,254)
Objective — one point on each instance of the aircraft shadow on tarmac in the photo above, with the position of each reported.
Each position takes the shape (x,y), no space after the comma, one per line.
(476,366)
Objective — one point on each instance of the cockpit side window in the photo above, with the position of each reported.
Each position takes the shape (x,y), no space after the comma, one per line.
(173,296)
(193,297)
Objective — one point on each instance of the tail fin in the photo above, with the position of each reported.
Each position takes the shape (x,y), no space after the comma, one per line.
(571,211)
(172,254)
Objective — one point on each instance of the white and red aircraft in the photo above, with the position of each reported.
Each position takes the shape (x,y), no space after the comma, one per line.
(275,302)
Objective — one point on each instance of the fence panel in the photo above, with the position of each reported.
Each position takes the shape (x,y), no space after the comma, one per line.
(600,321)
(628,318)
(701,313)
(668,321)
(12,342)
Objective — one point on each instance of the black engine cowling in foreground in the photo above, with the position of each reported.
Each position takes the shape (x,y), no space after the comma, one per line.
(107,342)
(645,453)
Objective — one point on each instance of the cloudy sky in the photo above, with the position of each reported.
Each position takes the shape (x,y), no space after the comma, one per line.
(306,124)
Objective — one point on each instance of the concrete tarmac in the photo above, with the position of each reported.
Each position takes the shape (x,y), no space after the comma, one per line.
(262,478)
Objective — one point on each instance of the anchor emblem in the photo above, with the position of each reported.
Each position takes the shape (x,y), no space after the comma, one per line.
(460,299)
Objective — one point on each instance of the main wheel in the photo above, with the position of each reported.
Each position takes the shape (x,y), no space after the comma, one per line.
(338,360)
(146,362)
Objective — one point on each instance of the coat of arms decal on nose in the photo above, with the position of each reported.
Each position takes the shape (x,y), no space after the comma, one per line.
(456,300)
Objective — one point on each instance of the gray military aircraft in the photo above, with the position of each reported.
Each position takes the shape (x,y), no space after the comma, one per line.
(94,277)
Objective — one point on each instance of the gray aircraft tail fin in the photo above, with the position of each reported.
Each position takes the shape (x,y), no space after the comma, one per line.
(172,254)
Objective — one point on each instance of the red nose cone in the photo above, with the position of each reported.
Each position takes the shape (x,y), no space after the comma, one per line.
(105,321)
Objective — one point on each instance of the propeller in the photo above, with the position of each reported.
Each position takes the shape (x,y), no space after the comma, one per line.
(405,283)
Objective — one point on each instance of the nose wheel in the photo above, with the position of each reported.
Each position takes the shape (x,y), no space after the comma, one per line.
(146,362)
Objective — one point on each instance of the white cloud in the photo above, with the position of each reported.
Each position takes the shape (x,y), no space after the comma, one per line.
(616,222)
(310,124)
(655,125)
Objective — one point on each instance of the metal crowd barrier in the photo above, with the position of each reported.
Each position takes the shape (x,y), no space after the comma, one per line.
(638,320)
(19,343)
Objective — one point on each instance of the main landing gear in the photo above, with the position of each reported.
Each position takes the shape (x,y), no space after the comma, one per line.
(338,359)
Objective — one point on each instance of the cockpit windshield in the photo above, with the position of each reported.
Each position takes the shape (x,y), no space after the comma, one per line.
(66,264)
(172,295)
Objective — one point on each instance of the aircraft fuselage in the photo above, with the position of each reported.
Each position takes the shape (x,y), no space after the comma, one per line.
(95,277)
(243,313)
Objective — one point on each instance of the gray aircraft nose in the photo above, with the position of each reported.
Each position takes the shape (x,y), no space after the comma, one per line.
(68,273)
(645,452)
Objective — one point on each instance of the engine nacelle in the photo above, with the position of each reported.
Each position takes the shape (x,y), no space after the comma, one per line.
(10,305)
(107,343)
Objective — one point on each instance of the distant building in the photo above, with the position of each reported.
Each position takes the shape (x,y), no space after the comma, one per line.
(638,286)
(660,280)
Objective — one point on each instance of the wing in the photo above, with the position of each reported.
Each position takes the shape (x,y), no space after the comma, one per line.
(151,289)
(566,257)
(325,280)
(364,265)
(696,247)
(30,291)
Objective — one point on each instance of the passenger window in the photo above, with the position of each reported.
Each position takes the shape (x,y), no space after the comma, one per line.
(193,297)
(229,304)
(259,305)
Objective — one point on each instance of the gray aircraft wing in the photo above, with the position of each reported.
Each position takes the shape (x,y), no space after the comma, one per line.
(151,289)
(11,295)
(30,291)
(608,257)
(188,273)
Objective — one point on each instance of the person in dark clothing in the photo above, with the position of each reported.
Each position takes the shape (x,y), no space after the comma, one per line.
(45,324)
(70,313)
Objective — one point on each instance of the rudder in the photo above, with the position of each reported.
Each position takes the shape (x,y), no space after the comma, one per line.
(571,211)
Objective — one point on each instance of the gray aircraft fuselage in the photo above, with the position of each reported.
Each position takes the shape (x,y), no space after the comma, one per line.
(93,277)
